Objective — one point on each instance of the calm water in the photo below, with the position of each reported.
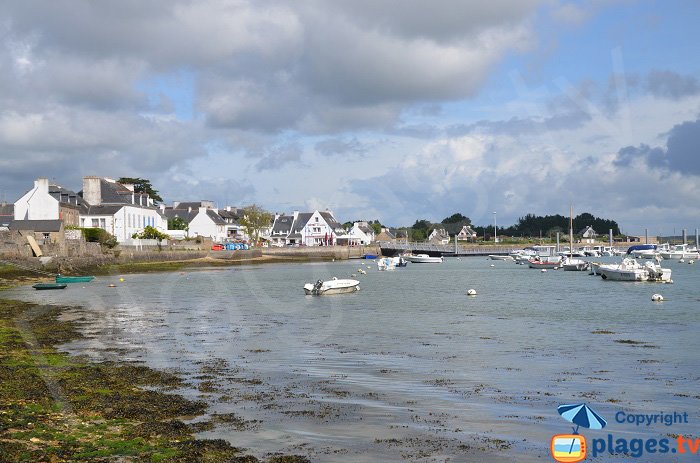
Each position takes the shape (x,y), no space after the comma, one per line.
(409,368)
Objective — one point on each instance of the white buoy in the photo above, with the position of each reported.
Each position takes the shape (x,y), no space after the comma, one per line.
(691,261)
(544,270)
(471,292)
(493,265)
(657,298)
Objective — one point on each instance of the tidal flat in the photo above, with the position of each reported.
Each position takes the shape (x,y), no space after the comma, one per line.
(409,368)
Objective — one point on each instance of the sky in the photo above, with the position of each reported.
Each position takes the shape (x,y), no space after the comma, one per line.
(395,110)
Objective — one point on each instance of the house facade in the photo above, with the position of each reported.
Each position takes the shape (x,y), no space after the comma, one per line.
(386,235)
(202,219)
(306,229)
(588,235)
(466,234)
(439,236)
(117,208)
(361,234)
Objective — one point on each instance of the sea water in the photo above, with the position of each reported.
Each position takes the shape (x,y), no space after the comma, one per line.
(410,367)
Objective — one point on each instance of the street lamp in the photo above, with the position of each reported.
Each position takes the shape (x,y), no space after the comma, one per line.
(495,233)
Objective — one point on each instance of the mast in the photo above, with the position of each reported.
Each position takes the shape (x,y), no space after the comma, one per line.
(571,231)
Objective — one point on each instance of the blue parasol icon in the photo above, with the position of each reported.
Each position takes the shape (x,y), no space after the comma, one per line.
(581,415)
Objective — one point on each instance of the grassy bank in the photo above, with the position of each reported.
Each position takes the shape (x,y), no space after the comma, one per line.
(59,408)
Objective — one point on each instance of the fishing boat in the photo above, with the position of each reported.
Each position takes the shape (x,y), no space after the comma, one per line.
(45,286)
(333,286)
(631,270)
(422,259)
(73,279)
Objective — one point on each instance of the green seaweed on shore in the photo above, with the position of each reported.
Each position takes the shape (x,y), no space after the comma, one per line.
(58,408)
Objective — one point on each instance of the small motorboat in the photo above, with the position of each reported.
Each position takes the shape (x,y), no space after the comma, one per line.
(573,264)
(544,263)
(70,279)
(500,257)
(386,263)
(400,262)
(680,251)
(422,259)
(631,270)
(333,286)
(45,286)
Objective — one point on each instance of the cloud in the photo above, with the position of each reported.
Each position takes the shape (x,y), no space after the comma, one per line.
(669,84)
(277,157)
(679,155)
(339,147)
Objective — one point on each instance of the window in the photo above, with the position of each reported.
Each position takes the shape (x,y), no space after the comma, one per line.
(82,223)
(128,220)
(47,236)
(95,223)
(103,224)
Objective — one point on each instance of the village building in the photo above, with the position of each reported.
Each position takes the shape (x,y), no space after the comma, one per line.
(466,234)
(386,236)
(117,208)
(48,202)
(361,234)
(588,235)
(306,229)
(202,219)
(7,215)
(44,231)
(439,236)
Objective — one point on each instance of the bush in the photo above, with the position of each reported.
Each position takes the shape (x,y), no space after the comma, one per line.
(98,235)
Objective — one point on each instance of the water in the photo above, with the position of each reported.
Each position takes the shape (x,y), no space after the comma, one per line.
(410,367)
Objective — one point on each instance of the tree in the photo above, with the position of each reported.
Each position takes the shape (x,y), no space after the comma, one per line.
(142,185)
(150,233)
(254,220)
(457,218)
(177,223)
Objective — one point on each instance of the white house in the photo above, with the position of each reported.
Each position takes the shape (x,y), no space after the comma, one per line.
(440,236)
(588,235)
(48,202)
(202,219)
(361,233)
(466,233)
(306,228)
(116,208)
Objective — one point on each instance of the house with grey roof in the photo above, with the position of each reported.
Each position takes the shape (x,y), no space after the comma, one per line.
(202,218)
(588,235)
(361,233)
(439,236)
(386,235)
(306,228)
(117,208)
(466,233)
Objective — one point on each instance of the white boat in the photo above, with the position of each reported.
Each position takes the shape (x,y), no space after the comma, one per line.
(500,257)
(589,251)
(333,286)
(387,263)
(422,259)
(521,256)
(680,251)
(631,270)
(647,251)
(605,251)
(574,264)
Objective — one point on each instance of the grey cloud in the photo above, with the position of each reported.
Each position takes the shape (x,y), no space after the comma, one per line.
(668,84)
(276,157)
(336,147)
(679,155)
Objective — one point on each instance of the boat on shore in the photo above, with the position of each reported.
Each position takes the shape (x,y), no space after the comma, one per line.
(333,286)
(46,286)
(422,259)
(631,270)
(73,279)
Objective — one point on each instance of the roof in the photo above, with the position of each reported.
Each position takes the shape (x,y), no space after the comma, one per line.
(283,224)
(330,220)
(216,218)
(586,229)
(37,225)
(104,209)
(116,193)
(67,197)
(234,214)
(386,233)
(170,213)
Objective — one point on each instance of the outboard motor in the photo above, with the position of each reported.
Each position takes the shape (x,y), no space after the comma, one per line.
(317,286)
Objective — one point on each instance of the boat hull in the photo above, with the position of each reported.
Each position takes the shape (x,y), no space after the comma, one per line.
(66,279)
(500,257)
(331,287)
(48,286)
(423,259)
(544,265)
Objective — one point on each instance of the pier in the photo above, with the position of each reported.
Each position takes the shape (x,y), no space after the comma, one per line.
(447,250)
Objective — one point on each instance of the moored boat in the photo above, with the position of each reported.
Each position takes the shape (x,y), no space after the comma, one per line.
(573,264)
(680,251)
(333,286)
(631,270)
(45,286)
(500,257)
(386,263)
(73,279)
(422,259)
(544,263)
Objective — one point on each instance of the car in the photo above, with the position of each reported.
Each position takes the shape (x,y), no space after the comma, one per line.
(217,247)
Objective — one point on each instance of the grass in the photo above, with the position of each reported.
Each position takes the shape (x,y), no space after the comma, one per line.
(58,408)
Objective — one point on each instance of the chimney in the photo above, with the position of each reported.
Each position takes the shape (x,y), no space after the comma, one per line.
(42,184)
(203,210)
(92,191)
(161,207)
(228,208)
(128,186)
(295,214)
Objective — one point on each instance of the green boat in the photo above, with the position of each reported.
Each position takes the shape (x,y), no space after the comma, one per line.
(43,286)
(68,279)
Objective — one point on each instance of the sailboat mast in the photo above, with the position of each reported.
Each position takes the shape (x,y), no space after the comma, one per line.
(571,231)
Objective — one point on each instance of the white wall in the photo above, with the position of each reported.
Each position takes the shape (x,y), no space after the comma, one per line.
(127,221)
(202,225)
(37,203)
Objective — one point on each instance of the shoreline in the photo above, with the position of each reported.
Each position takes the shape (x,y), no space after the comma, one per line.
(59,407)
